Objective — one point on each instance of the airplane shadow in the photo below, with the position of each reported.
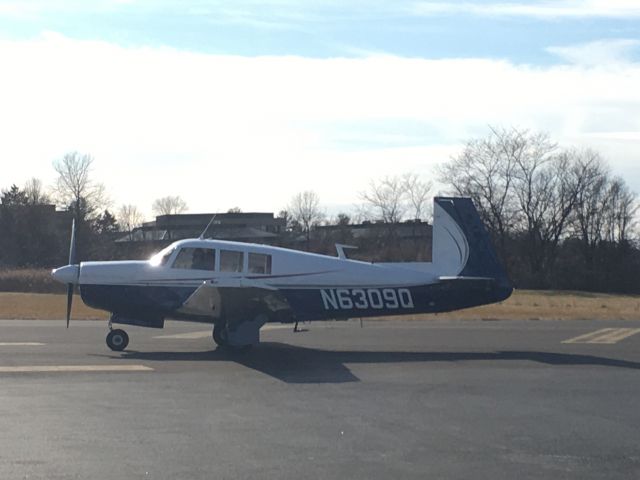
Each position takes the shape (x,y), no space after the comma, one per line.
(294,364)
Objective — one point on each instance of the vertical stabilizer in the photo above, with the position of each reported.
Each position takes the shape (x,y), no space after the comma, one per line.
(461,244)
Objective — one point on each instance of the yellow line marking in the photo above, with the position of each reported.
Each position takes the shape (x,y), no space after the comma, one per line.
(616,336)
(74,368)
(21,344)
(589,336)
(605,336)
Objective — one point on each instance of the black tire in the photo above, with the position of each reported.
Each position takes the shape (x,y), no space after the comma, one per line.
(117,340)
(221,335)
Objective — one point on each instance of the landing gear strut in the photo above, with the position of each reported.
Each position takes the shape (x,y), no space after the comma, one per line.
(117,340)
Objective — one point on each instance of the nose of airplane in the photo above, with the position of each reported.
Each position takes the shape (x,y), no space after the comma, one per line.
(67,274)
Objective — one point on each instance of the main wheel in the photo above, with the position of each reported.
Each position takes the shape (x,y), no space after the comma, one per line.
(221,335)
(117,340)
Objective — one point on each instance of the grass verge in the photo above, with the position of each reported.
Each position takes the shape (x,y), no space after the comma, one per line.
(45,306)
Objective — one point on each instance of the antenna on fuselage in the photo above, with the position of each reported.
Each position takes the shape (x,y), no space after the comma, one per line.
(201,237)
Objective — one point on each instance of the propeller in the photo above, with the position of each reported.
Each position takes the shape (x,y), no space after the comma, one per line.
(69,274)
(72,261)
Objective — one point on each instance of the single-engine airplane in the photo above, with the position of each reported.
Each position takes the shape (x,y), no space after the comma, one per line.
(238,287)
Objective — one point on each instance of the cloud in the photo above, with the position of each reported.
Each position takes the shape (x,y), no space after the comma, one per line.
(224,130)
(602,52)
(540,9)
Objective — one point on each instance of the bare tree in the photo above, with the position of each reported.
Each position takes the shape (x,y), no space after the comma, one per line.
(534,197)
(484,171)
(169,205)
(548,189)
(417,193)
(129,218)
(305,209)
(74,186)
(591,203)
(84,197)
(622,209)
(385,199)
(34,191)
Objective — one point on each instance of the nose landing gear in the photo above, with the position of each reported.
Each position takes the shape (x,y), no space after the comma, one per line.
(117,340)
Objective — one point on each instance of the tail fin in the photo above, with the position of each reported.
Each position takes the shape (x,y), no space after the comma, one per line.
(457,222)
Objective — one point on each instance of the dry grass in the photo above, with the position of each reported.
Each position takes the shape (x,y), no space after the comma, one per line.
(523,305)
(44,306)
(30,280)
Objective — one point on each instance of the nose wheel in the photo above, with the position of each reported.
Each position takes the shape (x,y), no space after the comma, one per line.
(117,340)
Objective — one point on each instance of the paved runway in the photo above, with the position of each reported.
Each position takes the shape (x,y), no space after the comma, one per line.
(394,399)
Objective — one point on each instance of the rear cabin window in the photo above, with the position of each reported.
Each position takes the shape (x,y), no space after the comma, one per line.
(259,263)
(231,261)
(196,259)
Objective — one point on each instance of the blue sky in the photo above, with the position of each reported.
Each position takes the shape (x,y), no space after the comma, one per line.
(486,29)
(363,89)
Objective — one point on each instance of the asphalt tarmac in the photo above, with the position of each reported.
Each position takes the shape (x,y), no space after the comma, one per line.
(395,399)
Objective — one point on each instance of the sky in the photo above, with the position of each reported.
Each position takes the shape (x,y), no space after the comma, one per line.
(245,103)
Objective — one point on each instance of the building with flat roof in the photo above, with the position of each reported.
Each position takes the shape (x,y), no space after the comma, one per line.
(254,227)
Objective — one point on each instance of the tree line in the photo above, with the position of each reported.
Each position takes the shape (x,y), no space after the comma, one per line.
(32,237)
(559,217)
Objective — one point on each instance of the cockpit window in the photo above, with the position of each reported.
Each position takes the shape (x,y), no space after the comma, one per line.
(259,263)
(161,258)
(196,259)
(231,261)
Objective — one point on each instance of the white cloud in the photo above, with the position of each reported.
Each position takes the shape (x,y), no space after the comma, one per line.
(603,52)
(227,131)
(542,9)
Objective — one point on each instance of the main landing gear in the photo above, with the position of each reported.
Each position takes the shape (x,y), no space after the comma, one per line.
(239,336)
(117,340)
(221,335)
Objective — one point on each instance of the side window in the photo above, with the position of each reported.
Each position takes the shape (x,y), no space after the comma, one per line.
(196,259)
(231,261)
(259,263)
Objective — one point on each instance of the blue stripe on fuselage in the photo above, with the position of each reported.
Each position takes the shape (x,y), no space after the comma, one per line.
(308,303)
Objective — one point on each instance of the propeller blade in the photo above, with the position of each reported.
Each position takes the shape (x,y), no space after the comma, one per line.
(69,301)
(72,247)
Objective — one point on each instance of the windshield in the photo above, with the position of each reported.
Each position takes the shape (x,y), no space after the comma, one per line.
(160,258)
